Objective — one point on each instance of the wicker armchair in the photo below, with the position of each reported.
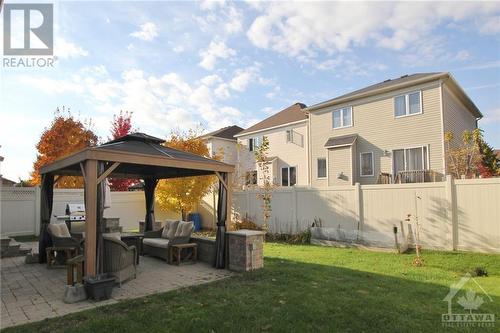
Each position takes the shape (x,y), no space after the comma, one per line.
(153,244)
(60,236)
(120,260)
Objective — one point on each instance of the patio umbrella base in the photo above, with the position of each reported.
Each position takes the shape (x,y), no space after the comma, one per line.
(100,287)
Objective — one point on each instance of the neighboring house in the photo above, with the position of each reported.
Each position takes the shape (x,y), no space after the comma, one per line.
(7,182)
(388,132)
(223,142)
(287,158)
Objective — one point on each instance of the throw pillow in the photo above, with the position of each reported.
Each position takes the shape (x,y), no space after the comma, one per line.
(184,229)
(172,229)
(63,230)
(166,227)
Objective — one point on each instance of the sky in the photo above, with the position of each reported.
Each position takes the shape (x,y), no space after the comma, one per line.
(179,65)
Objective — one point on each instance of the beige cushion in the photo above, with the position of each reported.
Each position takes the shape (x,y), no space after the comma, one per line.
(166,227)
(156,242)
(172,227)
(59,230)
(113,235)
(184,229)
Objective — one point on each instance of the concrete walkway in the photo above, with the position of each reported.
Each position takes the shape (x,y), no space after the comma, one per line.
(31,292)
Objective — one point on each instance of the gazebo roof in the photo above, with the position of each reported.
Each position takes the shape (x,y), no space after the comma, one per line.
(140,155)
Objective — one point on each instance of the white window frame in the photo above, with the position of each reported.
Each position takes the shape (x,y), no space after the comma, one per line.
(288,168)
(341,110)
(425,157)
(407,104)
(326,167)
(361,166)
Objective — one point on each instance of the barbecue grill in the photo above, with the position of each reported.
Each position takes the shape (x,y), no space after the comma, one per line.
(74,213)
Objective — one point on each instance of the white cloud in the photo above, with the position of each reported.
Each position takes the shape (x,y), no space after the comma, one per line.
(490,26)
(148,32)
(242,79)
(211,4)
(213,52)
(64,49)
(222,91)
(178,49)
(299,29)
(462,55)
(160,103)
(491,116)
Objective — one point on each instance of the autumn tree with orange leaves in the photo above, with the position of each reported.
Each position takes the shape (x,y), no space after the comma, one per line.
(121,126)
(183,194)
(65,136)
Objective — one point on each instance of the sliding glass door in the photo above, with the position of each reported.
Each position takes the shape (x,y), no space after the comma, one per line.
(409,159)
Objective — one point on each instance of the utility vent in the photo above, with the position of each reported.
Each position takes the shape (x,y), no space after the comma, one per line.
(404,76)
(387,80)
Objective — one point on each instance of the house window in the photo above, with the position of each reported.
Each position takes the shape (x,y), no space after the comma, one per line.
(254,143)
(321,167)
(409,104)
(342,117)
(289,136)
(251,177)
(288,176)
(409,159)
(366,164)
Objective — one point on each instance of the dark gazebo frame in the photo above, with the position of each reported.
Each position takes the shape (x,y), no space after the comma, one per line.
(137,156)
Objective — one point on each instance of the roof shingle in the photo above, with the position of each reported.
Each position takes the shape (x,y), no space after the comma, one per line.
(291,114)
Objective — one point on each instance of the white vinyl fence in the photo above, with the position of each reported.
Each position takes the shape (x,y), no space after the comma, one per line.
(455,214)
(20,207)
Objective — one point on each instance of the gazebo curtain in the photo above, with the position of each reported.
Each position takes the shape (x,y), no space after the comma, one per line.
(46,200)
(220,240)
(149,193)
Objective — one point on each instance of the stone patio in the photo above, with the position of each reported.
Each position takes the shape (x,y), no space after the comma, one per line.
(31,292)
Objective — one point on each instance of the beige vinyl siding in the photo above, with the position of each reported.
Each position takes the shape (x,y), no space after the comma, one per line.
(457,118)
(289,154)
(339,161)
(378,130)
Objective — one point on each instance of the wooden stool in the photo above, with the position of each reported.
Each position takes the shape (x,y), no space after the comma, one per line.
(74,264)
(176,253)
(51,255)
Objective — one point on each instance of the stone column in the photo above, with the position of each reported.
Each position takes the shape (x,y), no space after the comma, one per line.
(246,250)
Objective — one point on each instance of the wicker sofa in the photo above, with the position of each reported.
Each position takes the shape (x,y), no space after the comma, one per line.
(120,260)
(158,243)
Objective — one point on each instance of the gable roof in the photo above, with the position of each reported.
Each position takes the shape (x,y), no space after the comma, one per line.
(291,114)
(227,132)
(401,82)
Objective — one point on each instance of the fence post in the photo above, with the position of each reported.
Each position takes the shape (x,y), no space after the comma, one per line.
(451,212)
(294,209)
(37,211)
(358,199)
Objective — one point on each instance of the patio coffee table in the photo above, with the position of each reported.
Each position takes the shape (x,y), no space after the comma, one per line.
(132,238)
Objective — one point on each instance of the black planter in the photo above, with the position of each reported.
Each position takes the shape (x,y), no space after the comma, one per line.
(100,287)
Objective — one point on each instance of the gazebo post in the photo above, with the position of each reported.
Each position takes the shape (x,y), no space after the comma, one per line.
(90,217)
(229,201)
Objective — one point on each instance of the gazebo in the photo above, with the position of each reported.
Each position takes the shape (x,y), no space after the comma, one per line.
(138,156)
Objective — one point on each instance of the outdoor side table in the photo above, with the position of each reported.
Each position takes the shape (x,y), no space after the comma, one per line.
(51,255)
(176,255)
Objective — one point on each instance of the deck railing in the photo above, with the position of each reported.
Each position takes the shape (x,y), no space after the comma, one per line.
(416,176)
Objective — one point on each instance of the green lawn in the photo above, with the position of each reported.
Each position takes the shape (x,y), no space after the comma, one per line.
(302,289)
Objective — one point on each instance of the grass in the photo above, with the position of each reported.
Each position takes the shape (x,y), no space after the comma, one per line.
(25,238)
(302,288)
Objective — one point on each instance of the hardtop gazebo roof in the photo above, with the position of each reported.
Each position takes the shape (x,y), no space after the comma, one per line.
(140,155)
